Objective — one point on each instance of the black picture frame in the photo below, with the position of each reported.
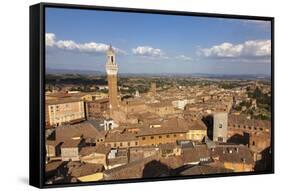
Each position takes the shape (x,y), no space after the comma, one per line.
(37,87)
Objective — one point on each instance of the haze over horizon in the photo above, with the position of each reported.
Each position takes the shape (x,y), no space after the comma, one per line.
(152,43)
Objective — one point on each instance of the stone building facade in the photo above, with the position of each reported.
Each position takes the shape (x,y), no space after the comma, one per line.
(63,111)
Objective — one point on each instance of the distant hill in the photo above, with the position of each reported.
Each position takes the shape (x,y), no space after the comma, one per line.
(191,75)
(70,71)
(205,76)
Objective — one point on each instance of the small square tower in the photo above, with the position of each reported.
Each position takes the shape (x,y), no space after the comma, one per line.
(220,126)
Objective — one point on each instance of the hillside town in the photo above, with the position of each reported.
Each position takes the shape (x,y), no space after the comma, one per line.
(146,127)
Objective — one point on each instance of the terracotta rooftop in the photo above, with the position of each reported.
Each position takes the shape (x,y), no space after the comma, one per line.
(146,116)
(173,125)
(62,101)
(86,169)
(102,149)
(242,120)
(233,153)
(85,129)
(119,137)
(204,169)
(103,100)
(52,142)
(53,165)
(161,104)
(71,143)
(195,154)
(130,170)
(172,162)
(118,160)
(167,146)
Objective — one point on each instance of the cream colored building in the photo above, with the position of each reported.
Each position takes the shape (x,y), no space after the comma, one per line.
(62,111)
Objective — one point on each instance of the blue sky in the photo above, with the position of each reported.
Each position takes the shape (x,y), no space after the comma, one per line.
(152,43)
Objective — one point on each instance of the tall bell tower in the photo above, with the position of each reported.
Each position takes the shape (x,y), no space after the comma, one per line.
(111,70)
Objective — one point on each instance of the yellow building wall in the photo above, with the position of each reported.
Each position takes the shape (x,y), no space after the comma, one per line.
(123,144)
(93,177)
(238,167)
(50,151)
(95,159)
(87,97)
(161,139)
(196,135)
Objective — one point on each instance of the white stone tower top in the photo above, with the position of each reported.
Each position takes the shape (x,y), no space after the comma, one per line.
(111,66)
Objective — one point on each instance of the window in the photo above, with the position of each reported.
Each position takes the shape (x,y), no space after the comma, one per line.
(151,137)
(167,136)
(160,137)
(121,144)
(175,135)
(143,138)
(110,126)
(220,125)
(114,144)
(129,144)
(136,143)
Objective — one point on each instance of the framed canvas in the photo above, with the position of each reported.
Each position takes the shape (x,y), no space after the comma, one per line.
(122,95)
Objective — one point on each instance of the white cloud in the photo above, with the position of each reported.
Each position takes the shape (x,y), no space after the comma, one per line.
(50,39)
(90,47)
(85,47)
(148,51)
(257,22)
(183,57)
(248,49)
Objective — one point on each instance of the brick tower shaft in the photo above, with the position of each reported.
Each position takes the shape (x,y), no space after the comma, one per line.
(111,70)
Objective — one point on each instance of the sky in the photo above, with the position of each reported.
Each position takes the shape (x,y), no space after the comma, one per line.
(153,43)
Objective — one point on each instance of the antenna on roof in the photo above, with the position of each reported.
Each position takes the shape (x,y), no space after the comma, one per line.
(110,47)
